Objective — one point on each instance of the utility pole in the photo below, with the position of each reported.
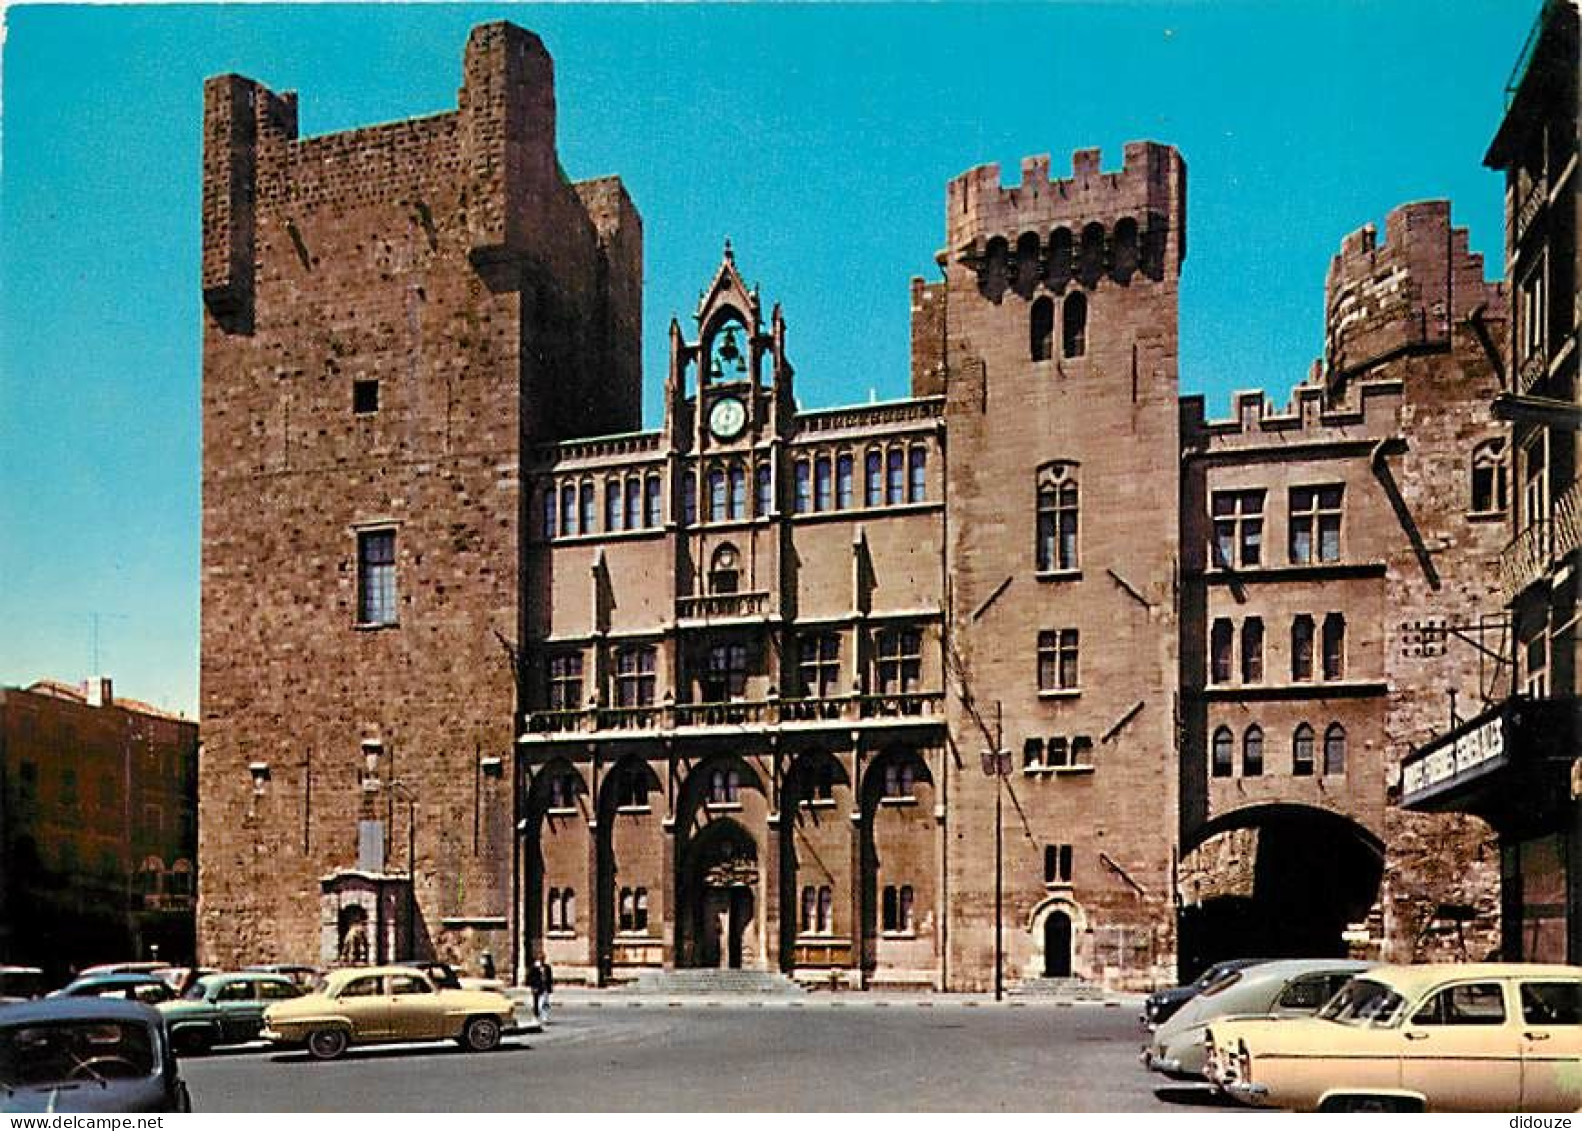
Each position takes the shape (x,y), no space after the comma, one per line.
(997,765)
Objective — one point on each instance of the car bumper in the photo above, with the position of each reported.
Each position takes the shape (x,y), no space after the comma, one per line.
(1166,1066)
(1256,1095)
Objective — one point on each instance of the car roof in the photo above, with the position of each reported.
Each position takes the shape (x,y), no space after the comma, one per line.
(119,980)
(20,970)
(78,1009)
(337,978)
(1282,968)
(1408,980)
(226,977)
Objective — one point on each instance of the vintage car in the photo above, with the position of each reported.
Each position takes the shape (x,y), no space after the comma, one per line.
(1476,1037)
(133,987)
(87,1054)
(366,1005)
(1294,987)
(20,983)
(224,1009)
(308,977)
(1161,1005)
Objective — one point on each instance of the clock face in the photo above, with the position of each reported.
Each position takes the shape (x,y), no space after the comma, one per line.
(727,418)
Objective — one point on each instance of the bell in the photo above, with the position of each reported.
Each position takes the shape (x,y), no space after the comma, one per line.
(730,353)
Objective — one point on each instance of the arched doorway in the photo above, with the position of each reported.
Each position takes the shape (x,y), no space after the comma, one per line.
(720,900)
(1057,945)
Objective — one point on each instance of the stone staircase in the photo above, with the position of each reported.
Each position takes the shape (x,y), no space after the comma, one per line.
(706,982)
(1057,989)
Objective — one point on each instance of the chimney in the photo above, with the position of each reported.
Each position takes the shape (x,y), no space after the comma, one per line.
(98,689)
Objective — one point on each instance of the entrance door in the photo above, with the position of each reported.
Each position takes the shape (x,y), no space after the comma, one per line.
(741,914)
(1057,945)
(719,879)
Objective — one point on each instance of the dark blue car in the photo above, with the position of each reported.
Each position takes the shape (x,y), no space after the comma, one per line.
(87,1054)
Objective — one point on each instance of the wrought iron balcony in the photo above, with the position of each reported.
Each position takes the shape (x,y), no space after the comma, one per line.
(851,709)
(722,606)
(1533,369)
(1529,209)
(1533,553)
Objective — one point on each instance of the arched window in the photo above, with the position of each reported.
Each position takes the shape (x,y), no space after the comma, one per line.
(552,910)
(568,509)
(628,910)
(891,910)
(1126,251)
(1057,517)
(826,910)
(1090,256)
(614,498)
(843,474)
(717,494)
(640,910)
(738,504)
(1335,749)
(874,468)
(1302,648)
(724,786)
(1488,477)
(725,570)
(804,486)
(1302,751)
(895,476)
(180,882)
(1028,267)
(1252,650)
(1334,646)
(765,490)
(917,473)
(549,512)
(1041,329)
(809,909)
(652,489)
(727,362)
(822,484)
(589,505)
(689,498)
(1074,327)
(899,778)
(1219,650)
(1224,761)
(1058,263)
(634,502)
(568,910)
(1252,752)
(905,917)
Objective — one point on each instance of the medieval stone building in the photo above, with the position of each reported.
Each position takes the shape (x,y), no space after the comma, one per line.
(486,667)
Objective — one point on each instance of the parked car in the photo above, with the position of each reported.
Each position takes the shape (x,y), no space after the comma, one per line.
(308,977)
(179,978)
(366,1005)
(133,987)
(20,983)
(1475,1037)
(121,968)
(224,1009)
(87,1055)
(448,977)
(1160,1005)
(1294,987)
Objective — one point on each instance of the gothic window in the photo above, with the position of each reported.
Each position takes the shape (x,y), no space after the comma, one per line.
(818,664)
(822,484)
(689,498)
(1074,328)
(1488,477)
(1252,752)
(634,675)
(809,909)
(826,910)
(917,473)
(1219,650)
(724,675)
(804,486)
(614,498)
(894,476)
(1302,648)
(1057,517)
(899,664)
(1252,650)
(652,491)
(1238,528)
(725,784)
(589,504)
(873,467)
(843,487)
(1334,646)
(765,490)
(1302,751)
(376,577)
(1335,749)
(897,909)
(631,789)
(562,792)
(899,778)
(568,509)
(1041,330)
(1223,764)
(1057,660)
(724,570)
(717,494)
(565,681)
(1315,524)
(1057,863)
(634,502)
(549,512)
(738,489)
(628,911)
(727,362)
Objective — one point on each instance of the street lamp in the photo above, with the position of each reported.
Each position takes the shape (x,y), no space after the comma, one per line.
(997,765)
(399,788)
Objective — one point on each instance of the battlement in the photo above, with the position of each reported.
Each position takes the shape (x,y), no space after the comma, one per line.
(1384,299)
(1370,411)
(1145,200)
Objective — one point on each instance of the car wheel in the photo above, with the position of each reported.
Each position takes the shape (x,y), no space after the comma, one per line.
(327,1044)
(481,1034)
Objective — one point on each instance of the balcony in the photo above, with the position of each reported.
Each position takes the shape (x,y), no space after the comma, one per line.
(1533,369)
(924,707)
(1533,553)
(722,606)
(1531,206)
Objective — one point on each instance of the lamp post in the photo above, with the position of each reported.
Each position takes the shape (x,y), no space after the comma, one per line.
(997,765)
(399,788)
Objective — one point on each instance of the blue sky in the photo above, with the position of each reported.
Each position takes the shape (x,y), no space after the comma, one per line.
(818,138)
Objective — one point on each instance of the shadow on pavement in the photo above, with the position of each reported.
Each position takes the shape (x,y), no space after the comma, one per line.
(1188,1096)
(384,1052)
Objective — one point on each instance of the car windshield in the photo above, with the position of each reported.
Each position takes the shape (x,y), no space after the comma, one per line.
(1362,1002)
(1220,985)
(196,991)
(65,1052)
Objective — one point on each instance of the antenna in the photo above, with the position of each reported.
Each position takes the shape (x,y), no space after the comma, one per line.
(94,619)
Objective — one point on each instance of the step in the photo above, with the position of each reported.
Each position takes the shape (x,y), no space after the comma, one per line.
(711,981)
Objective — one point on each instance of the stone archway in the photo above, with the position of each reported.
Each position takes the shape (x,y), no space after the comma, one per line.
(719,885)
(1057,945)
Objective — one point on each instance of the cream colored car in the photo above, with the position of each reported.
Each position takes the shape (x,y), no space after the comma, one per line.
(381,1004)
(1479,1037)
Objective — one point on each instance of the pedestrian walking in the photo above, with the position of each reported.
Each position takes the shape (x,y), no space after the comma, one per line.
(546,983)
(535,987)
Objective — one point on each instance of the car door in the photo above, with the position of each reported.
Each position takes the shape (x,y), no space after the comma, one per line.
(1551,1043)
(416,1014)
(1461,1049)
(271,991)
(241,1014)
(364,1002)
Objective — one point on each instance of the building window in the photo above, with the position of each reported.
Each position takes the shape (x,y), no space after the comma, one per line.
(1533,314)
(1302,648)
(874,477)
(818,664)
(376,578)
(565,681)
(1335,749)
(1315,524)
(899,778)
(826,910)
(725,785)
(843,478)
(1057,660)
(1220,644)
(917,473)
(631,790)
(562,791)
(738,501)
(634,676)
(1238,528)
(1302,752)
(549,512)
(560,910)
(614,498)
(1224,763)
(1057,863)
(1535,674)
(1074,329)
(365,397)
(804,486)
(1252,650)
(1535,484)
(1033,754)
(634,501)
(1082,750)
(1488,477)
(27,782)
(1056,752)
(568,509)
(634,910)
(894,476)
(724,675)
(652,489)
(1041,329)
(724,571)
(823,484)
(1057,517)
(900,661)
(717,494)
(1252,752)
(1334,646)
(689,498)
(897,915)
(765,490)
(589,506)
(818,910)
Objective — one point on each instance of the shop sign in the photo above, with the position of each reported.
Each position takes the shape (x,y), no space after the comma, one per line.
(1481,745)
